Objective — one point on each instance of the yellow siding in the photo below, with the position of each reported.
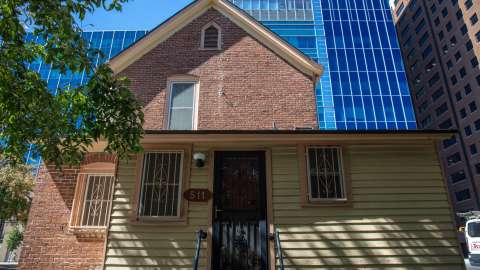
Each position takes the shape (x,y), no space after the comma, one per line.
(399,218)
(152,246)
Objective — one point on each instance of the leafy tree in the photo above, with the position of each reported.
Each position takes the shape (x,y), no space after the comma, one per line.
(16,184)
(63,125)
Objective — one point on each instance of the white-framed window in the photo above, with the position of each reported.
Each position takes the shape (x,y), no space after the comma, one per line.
(182,109)
(326,180)
(211,37)
(93,201)
(161,184)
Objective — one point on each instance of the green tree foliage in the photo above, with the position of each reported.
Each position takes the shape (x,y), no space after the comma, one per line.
(64,125)
(16,184)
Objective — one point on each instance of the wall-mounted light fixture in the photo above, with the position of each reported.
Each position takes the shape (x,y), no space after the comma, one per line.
(199,159)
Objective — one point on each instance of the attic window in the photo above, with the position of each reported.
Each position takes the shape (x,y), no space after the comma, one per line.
(211,37)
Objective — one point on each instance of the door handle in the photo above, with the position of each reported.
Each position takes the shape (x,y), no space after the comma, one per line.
(217,211)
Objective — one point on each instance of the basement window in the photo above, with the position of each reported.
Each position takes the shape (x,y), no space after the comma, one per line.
(211,37)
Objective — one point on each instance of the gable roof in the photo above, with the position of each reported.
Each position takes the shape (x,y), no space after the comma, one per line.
(182,18)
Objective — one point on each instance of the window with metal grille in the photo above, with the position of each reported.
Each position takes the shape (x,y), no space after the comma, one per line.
(94,201)
(211,37)
(161,184)
(325,173)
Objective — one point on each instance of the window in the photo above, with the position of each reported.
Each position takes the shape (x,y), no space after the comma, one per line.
(445,49)
(469,46)
(463,72)
(420,93)
(473,149)
(468,131)
(436,21)
(444,12)
(462,195)
(474,62)
(427,52)
(437,94)
(420,26)
(458,96)
(463,113)
(94,193)
(211,37)
(474,19)
(445,124)
(434,79)
(161,184)
(449,142)
(325,173)
(417,13)
(423,107)
(423,39)
(477,35)
(458,176)
(472,106)
(448,26)
(441,109)
(426,121)
(458,56)
(182,105)
(464,29)
(459,14)
(468,89)
(454,159)
(453,79)
(478,80)
(477,124)
(453,41)
(400,9)
(441,35)
(449,64)
(477,168)
(433,8)
(468,4)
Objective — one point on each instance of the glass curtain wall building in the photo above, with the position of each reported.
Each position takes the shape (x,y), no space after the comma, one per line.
(364,85)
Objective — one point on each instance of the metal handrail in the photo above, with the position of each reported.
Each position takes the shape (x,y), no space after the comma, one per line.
(278,248)
(201,235)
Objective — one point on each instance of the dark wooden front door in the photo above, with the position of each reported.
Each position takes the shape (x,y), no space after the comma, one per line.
(239,214)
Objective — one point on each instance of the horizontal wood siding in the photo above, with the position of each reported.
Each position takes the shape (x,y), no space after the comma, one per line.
(399,217)
(156,245)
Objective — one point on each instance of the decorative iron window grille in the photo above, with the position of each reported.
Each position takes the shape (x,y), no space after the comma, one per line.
(161,184)
(94,201)
(325,173)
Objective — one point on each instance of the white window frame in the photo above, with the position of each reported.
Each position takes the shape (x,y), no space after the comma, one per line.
(196,90)
(180,187)
(341,170)
(219,40)
(78,207)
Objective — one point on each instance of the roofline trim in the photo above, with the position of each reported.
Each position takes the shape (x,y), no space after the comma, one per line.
(239,17)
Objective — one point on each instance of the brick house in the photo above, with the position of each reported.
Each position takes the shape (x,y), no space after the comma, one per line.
(232,148)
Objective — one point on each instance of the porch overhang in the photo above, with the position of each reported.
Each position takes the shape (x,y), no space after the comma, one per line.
(278,137)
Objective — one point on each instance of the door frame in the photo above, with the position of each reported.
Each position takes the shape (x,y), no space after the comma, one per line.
(268,194)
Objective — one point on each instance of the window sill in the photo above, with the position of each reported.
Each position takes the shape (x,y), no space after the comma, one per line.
(210,49)
(332,203)
(146,221)
(89,233)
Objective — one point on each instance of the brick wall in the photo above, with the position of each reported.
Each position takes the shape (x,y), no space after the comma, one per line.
(48,242)
(258,86)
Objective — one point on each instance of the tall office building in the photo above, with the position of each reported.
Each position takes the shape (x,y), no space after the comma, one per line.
(364,85)
(440,43)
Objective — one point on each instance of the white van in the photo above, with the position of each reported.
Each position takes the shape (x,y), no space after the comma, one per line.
(472,235)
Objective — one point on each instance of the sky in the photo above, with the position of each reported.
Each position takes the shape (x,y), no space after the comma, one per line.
(136,15)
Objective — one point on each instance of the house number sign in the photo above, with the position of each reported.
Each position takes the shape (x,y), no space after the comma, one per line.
(197,195)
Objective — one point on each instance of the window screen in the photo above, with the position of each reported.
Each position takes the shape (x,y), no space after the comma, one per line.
(325,173)
(161,184)
(182,106)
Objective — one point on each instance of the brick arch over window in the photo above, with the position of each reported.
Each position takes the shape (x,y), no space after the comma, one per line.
(99,157)
(211,37)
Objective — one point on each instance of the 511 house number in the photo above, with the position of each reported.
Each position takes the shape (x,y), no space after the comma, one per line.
(197,195)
